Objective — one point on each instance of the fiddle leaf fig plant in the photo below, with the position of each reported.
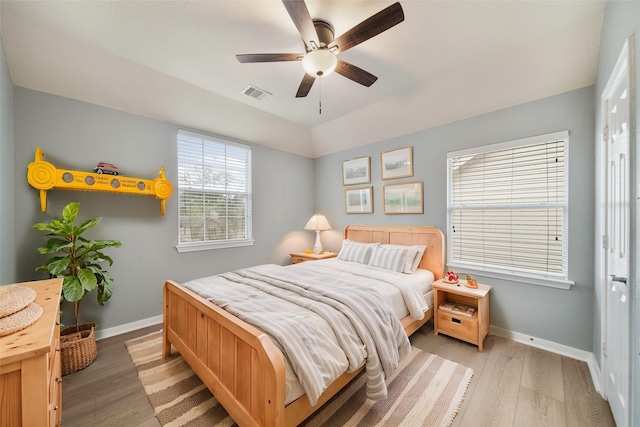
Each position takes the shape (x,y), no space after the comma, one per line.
(77,259)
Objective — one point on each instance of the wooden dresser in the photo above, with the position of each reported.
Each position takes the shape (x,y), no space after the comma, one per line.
(30,375)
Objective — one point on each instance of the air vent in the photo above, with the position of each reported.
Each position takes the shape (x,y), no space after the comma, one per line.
(256,93)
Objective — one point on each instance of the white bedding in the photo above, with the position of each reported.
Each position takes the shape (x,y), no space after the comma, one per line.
(421,280)
(405,294)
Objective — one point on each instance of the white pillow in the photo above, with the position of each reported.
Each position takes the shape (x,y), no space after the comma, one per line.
(390,258)
(416,261)
(413,257)
(356,251)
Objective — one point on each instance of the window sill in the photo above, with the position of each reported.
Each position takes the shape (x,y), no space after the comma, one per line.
(550,282)
(193,247)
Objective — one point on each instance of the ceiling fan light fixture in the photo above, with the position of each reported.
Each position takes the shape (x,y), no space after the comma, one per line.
(319,62)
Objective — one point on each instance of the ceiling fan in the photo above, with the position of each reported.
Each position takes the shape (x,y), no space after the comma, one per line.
(322,48)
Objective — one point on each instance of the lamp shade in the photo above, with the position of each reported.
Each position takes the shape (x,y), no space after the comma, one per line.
(318,222)
(319,63)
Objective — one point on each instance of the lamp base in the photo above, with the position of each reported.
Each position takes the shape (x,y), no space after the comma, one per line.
(317,247)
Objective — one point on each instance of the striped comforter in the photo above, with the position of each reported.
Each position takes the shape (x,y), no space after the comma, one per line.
(323,325)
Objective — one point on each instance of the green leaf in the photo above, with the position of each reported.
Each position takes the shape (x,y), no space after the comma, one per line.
(70,212)
(90,223)
(107,258)
(66,229)
(72,290)
(61,227)
(42,226)
(55,245)
(58,265)
(56,227)
(87,279)
(107,243)
(105,291)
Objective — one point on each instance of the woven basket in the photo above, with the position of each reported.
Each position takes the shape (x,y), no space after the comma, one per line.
(77,347)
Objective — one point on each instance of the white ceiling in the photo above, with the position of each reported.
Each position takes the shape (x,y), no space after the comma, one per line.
(175,61)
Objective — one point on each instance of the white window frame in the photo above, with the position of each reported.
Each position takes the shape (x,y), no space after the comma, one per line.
(220,243)
(556,280)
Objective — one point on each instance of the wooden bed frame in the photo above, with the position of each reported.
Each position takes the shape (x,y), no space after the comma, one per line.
(240,364)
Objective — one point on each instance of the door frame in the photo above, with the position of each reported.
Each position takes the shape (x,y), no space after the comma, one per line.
(627,55)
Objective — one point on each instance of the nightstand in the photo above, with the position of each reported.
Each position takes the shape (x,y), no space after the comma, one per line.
(448,320)
(297,257)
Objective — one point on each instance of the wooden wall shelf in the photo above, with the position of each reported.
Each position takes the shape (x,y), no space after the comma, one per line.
(44,176)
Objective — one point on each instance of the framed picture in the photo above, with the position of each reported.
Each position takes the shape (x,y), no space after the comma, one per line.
(405,198)
(397,163)
(356,171)
(359,200)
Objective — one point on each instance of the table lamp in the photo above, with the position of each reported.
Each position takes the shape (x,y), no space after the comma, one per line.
(318,223)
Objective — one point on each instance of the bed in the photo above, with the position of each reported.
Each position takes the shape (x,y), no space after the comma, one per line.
(241,365)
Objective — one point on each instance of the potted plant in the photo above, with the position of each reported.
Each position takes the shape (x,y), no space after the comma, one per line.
(78,261)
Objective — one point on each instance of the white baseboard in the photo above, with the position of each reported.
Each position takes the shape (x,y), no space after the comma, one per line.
(128,327)
(588,357)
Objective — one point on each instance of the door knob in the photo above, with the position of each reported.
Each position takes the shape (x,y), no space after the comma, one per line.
(615,278)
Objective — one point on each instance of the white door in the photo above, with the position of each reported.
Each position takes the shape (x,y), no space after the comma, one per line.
(616,139)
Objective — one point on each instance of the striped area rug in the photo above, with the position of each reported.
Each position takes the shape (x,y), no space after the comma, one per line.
(426,390)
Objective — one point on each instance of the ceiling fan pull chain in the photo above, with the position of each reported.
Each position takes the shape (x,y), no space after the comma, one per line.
(320,102)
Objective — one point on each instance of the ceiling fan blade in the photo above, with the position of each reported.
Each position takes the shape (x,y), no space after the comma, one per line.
(269,57)
(305,86)
(302,19)
(356,74)
(371,27)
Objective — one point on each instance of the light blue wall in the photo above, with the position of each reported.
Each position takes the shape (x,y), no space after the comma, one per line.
(621,20)
(75,135)
(7,257)
(561,316)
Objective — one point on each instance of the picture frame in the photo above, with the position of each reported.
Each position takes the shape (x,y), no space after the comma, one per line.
(397,163)
(359,200)
(403,198)
(356,171)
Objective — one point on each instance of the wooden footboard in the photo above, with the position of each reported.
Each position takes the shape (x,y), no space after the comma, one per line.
(237,362)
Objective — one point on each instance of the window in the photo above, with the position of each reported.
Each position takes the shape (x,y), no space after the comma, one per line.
(507,210)
(214,192)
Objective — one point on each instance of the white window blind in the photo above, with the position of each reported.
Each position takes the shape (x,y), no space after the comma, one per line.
(507,207)
(214,190)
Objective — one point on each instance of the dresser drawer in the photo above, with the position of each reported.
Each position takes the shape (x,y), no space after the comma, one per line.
(465,328)
(55,408)
(55,379)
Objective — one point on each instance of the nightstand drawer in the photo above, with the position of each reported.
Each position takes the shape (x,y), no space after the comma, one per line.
(298,259)
(462,327)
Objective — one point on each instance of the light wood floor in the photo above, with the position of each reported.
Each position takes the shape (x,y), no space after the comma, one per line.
(512,385)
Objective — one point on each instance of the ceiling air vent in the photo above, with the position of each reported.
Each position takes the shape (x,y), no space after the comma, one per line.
(256,93)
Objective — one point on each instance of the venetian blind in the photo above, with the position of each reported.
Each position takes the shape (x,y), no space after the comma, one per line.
(507,207)
(214,190)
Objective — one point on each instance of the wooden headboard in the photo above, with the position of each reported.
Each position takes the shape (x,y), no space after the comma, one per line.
(431,237)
